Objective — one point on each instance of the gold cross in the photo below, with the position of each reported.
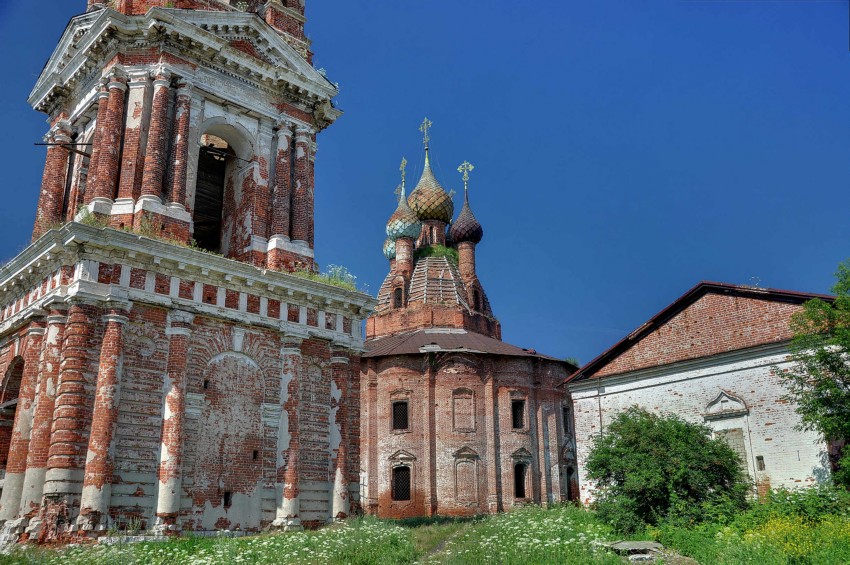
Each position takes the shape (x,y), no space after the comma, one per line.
(465,168)
(403,169)
(426,125)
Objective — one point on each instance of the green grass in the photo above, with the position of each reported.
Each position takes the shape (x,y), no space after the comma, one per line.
(806,526)
(777,533)
(525,536)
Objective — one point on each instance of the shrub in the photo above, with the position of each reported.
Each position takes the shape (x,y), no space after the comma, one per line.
(436,251)
(649,468)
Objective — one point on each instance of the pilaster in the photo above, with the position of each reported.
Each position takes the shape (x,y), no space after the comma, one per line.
(288,465)
(173,436)
(97,480)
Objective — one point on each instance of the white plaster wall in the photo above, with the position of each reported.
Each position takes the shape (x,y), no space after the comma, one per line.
(792,458)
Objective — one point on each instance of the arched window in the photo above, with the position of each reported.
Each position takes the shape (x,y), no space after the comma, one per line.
(398,298)
(401,483)
(520,472)
(214,159)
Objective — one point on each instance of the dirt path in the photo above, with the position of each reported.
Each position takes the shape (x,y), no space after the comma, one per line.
(441,546)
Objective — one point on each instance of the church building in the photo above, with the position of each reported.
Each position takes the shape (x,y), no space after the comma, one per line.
(161,362)
(454,421)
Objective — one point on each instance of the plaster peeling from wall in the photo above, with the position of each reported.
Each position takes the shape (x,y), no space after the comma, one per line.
(245,512)
(284,437)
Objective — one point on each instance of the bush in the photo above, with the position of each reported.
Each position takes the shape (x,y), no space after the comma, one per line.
(436,251)
(650,469)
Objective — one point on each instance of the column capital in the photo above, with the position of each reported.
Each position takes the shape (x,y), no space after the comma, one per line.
(340,360)
(116,318)
(180,316)
(303,134)
(184,85)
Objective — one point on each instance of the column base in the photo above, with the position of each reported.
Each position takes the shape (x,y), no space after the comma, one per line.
(166,526)
(287,525)
(92,522)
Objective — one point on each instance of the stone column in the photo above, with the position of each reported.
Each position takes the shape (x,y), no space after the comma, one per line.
(494,465)
(301,189)
(173,422)
(109,161)
(45,400)
(180,159)
(311,188)
(16,464)
(97,141)
(66,456)
(282,197)
(52,197)
(133,155)
(340,497)
(97,481)
(157,149)
(289,440)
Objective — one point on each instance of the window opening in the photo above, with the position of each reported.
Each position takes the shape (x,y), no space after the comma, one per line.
(476,299)
(397,298)
(227,499)
(520,470)
(207,217)
(400,416)
(518,414)
(206,384)
(565,415)
(401,483)
(760,462)
(255,455)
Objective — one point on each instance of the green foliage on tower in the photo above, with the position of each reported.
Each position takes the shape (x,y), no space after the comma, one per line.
(650,469)
(819,379)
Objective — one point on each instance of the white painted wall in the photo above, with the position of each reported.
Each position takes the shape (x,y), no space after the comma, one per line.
(792,458)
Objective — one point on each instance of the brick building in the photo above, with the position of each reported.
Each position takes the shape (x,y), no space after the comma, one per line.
(708,358)
(168,368)
(454,420)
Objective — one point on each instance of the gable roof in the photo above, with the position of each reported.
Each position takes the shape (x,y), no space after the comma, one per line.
(679,305)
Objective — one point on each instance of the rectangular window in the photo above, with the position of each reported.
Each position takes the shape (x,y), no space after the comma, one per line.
(518,414)
(401,483)
(759,463)
(400,419)
(565,414)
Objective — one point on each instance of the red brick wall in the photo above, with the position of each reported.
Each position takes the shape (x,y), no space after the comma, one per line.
(457,468)
(713,324)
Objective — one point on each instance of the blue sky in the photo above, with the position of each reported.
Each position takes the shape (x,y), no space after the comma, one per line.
(624,150)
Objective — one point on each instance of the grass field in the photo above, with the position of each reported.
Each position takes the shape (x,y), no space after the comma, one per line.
(769,535)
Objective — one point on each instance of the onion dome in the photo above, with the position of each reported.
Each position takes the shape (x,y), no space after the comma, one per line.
(429,200)
(466,227)
(389,249)
(403,222)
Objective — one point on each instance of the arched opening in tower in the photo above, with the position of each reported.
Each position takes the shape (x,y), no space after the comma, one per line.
(214,159)
(11,387)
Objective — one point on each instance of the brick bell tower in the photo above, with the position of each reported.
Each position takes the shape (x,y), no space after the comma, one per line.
(160,364)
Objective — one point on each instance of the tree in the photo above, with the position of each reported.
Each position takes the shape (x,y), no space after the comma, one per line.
(648,468)
(819,378)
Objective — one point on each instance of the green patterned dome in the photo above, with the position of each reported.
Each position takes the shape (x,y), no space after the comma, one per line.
(389,249)
(429,200)
(403,222)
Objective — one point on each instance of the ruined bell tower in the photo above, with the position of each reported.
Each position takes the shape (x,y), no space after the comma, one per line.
(162,360)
